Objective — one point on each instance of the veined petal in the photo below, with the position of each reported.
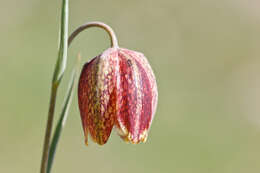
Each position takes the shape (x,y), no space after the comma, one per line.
(136,96)
(97,96)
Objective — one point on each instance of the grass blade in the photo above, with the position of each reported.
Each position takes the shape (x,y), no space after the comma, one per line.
(63,116)
(57,76)
(63,45)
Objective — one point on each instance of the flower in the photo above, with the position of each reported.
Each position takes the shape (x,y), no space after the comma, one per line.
(117,88)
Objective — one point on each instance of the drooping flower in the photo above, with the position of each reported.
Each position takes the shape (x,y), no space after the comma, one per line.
(117,88)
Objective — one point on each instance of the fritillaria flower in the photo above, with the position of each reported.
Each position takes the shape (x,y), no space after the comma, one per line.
(117,88)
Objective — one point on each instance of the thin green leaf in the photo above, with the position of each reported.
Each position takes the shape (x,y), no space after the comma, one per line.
(63,44)
(57,76)
(63,116)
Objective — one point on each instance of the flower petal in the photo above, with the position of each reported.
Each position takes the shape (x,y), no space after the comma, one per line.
(136,96)
(97,96)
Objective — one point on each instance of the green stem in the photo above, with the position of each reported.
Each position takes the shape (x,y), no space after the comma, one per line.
(108,29)
(57,76)
(63,116)
(48,128)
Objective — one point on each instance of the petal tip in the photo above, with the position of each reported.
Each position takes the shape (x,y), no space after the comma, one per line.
(143,136)
(86,142)
(86,136)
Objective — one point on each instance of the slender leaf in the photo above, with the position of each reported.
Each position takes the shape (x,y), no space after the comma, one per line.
(63,45)
(63,116)
(57,76)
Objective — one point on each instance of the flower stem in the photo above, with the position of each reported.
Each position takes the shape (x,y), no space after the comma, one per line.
(113,39)
(48,128)
(57,76)
(63,116)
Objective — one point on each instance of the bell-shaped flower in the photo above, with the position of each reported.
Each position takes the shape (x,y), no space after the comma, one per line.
(117,88)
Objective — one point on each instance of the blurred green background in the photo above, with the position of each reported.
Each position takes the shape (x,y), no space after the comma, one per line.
(205,55)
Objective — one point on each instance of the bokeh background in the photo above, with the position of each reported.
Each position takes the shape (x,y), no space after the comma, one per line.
(205,54)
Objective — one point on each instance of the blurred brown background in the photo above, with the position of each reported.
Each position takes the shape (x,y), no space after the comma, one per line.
(205,55)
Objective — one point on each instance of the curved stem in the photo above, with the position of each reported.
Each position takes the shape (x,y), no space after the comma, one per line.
(112,35)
